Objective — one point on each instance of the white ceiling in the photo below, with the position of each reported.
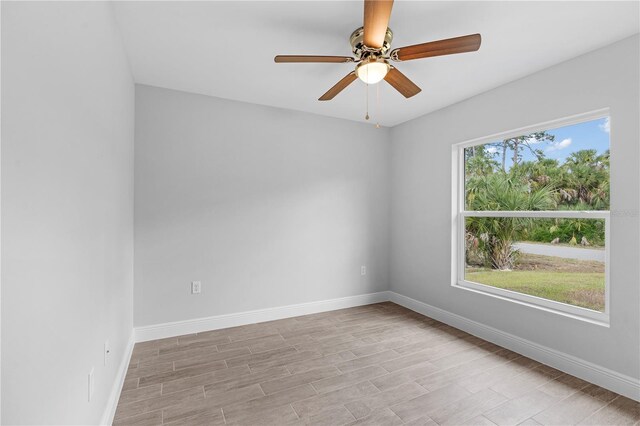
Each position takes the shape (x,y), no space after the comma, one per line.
(226,49)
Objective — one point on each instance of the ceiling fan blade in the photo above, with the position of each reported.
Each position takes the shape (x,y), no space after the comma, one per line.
(469,43)
(376,21)
(401,83)
(339,86)
(309,58)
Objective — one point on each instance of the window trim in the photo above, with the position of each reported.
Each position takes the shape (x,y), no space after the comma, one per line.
(458,222)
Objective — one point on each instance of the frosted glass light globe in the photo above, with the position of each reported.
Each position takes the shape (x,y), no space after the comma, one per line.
(372,71)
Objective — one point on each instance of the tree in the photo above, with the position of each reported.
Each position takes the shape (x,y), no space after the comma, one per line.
(495,235)
(519,143)
(542,172)
(479,161)
(586,179)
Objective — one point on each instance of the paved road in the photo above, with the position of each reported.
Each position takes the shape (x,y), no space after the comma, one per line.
(561,251)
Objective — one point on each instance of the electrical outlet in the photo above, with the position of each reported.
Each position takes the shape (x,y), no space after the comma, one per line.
(363,270)
(90,385)
(107,351)
(196,287)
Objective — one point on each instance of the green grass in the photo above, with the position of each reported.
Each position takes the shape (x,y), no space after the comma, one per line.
(584,289)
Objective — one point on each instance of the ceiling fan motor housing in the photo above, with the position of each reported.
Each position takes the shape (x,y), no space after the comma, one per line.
(360,50)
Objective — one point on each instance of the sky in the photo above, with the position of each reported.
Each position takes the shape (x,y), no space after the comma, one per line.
(588,135)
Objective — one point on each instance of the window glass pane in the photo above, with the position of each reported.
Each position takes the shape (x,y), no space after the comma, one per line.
(557,259)
(566,168)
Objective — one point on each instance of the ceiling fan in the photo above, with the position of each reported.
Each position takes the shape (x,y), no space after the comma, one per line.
(371,43)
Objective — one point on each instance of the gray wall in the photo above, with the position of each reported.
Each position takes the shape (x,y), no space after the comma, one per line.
(67,209)
(421,200)
(267,207)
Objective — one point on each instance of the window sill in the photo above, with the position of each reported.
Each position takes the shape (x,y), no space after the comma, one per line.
(582,314)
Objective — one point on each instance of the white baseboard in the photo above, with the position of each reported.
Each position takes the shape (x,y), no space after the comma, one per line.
(601,376)
(178,328)
(114,396)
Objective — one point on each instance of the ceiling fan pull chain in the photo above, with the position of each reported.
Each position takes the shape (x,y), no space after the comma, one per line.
(377,106)
(366,117)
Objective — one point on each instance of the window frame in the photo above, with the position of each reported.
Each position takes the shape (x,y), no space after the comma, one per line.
(459,214)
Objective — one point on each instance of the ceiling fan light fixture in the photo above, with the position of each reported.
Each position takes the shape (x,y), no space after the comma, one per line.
(372,70)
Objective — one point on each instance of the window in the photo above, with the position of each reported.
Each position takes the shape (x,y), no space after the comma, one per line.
(531,210)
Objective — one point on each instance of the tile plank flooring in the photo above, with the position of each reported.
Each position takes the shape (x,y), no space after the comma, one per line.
(378,364)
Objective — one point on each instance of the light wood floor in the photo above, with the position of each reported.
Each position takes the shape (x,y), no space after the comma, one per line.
(377,365)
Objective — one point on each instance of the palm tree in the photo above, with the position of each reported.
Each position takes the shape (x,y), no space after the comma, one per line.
(587,179)
(495,235)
